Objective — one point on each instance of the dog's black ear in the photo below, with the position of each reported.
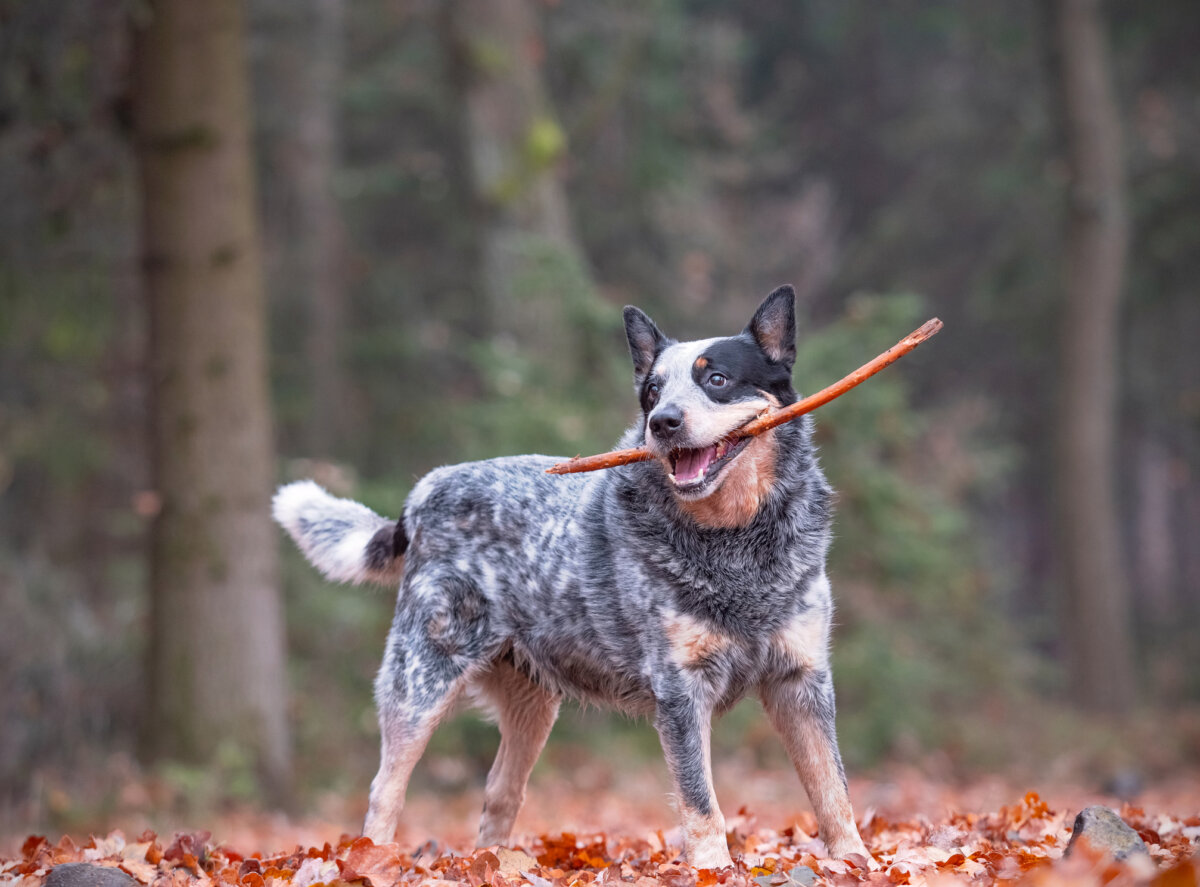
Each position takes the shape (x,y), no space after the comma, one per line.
(645,340)
(773,326)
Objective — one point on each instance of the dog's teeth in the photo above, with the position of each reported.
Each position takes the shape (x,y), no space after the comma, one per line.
(695,480)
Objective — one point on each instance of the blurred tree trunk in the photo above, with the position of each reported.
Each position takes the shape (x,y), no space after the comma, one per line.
(1098,630)
(531,267)
(216,657)
(298,76)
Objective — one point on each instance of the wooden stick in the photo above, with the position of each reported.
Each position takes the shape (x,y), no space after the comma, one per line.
(769,420)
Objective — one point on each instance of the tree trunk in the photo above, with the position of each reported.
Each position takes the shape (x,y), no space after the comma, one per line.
(531,267)
(1098,633)
(216,657)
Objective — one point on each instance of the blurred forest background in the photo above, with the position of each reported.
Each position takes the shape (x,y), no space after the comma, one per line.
(453,201)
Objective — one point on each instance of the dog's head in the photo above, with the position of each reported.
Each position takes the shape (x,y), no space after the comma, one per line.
(696,395)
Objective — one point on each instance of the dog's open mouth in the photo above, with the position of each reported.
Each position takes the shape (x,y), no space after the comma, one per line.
(693,469)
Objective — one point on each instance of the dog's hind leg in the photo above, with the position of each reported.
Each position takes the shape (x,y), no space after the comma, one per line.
(801,706)
(439,640)
(404,733)
(526,713)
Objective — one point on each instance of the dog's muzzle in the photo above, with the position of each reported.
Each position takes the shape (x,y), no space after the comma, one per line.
(690,468)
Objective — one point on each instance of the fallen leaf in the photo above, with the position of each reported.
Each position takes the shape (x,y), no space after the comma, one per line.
(378,864)
(514,862)
(315,870)
(485,865)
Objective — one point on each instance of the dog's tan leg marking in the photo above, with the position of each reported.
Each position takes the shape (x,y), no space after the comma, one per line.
(402,741)
(804,641)
(812,745)
(690,640)
(527,712)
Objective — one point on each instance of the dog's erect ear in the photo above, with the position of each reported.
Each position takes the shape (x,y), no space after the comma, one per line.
(645,340)
(773,326)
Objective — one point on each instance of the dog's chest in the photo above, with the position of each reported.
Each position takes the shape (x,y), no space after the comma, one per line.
(731,662)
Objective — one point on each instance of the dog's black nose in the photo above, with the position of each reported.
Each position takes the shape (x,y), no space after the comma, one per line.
(666,422)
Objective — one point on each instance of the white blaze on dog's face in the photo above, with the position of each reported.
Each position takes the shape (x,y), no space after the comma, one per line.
(696,395)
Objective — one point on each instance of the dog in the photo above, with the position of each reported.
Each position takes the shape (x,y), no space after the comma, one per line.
(671,588)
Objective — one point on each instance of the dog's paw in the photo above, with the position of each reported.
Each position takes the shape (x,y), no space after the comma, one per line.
(709,858)
(713,864)
(853,851)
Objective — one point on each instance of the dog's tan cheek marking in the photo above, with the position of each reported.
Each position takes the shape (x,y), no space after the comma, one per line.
(748,482)
(691,643)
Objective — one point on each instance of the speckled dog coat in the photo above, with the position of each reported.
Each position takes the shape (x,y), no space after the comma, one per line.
(671,588)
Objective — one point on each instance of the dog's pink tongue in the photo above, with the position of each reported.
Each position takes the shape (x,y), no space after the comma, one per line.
(691,464)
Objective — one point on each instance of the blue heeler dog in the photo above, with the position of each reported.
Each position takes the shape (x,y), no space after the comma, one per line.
(670,588)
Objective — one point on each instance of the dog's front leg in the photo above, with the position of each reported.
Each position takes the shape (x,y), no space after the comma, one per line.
(801,706)
(684,727)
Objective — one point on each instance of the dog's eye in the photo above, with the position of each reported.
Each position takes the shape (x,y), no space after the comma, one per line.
(716,380)
(652,391)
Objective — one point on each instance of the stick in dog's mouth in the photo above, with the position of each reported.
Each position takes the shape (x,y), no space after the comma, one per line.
(692,468)
(774,418)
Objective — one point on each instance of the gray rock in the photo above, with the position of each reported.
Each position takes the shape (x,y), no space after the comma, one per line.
(1104,830)
(84,874)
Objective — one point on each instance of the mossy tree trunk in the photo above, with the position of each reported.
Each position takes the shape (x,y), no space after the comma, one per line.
(216,657)
(532,272)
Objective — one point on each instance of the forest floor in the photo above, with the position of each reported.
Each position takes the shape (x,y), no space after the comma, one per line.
(605,823)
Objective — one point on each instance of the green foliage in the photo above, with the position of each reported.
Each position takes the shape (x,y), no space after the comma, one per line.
(335,638)
(919,632)
(229,777)
(530,403)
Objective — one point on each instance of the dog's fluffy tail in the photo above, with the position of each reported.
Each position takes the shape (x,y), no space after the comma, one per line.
(346,541)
